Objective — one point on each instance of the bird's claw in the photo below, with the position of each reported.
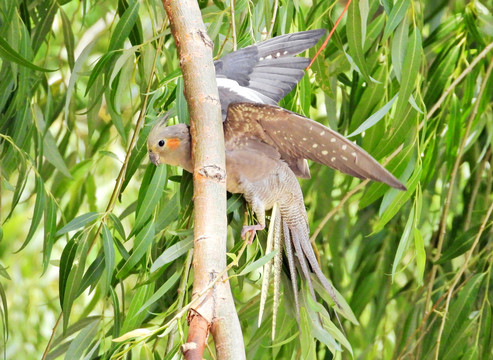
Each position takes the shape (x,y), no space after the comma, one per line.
(248,232)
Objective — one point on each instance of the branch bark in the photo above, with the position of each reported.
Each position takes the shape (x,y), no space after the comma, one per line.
(216,312)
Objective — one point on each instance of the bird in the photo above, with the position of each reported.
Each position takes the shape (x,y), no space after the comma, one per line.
(266,150)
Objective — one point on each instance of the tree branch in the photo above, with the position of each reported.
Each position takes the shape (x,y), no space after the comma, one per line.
(216,312)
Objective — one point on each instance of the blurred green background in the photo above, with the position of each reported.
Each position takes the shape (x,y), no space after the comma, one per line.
(91,230)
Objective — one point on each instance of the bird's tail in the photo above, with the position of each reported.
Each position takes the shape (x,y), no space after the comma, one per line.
(299,250)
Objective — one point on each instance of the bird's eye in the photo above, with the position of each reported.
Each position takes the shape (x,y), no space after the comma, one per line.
(161,143)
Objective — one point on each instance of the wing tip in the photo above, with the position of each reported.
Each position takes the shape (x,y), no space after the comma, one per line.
(400,186)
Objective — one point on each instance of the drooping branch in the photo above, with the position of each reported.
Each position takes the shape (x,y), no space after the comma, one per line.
(216,312)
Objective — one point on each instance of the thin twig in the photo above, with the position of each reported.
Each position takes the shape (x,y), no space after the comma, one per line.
(443,225)
(458,276)
(466,71)
(330,34)
(50,341)
(193,302)
(475,189)
(453,175)
(233,23)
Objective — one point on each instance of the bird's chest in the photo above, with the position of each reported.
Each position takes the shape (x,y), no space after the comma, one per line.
(260,178)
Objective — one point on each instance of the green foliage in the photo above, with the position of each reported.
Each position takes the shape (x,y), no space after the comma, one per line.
(96,242)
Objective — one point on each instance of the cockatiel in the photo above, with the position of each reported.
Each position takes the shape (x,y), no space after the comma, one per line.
(265,146)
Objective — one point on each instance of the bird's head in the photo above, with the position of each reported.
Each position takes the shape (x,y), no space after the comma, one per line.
(170,145)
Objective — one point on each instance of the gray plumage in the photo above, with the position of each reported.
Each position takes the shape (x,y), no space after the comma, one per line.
(264,146)
(264,72)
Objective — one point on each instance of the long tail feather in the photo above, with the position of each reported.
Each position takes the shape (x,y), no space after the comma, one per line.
(292,267)
(297,239)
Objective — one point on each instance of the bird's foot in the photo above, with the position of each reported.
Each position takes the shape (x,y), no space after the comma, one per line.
(248,232)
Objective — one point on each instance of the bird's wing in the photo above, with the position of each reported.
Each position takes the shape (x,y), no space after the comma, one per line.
(296,137)
(265,72)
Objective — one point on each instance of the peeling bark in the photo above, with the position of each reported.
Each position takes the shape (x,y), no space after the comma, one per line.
(216,312)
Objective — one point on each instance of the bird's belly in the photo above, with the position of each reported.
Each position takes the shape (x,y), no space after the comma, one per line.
(279,184)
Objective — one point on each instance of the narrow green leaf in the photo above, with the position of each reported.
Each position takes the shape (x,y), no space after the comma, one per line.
(344,309)
(118,225)
(307,342)
(74,328)
(169,213)
(336,333)
(78,222)
(92,275)
(117,316)
(75,75)
(74,280)
(47,11)
(3,270)
(152,196)
(133,334)
(355,39)
(403,243)
(124,26)
(399,46)
(68,36)
(459,313)
(82,341)
(66,261)
(375,118)
(420,255)
(122,60)
(101,66)
(181,103)
(133,318)
(410,70)
(399,200)
(50,148)
(138,154)
(460,245)
(142,242)
(258,263)
(109,254)
(9,54)
(395,17)
(486,330)
(161,291)
(5,309)
(172,253)
(39,206)
(49,231)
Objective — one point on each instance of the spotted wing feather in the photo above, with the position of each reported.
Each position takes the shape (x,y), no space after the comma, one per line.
(297,137)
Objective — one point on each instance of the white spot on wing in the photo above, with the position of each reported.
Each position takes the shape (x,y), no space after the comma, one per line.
(304,139)
(325,152)
(344,158)
(315,146)
(332,159)
(344,147)
(333,140)
(322,133)
(268,57)
(285,52)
